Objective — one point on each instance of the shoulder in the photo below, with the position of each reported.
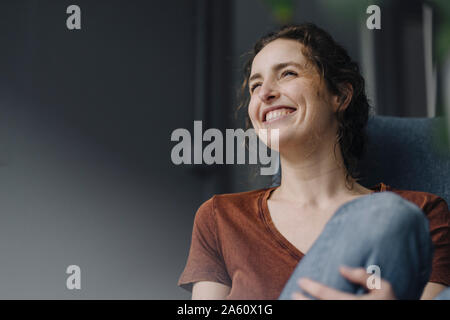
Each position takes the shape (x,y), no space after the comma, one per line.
(239,199)
(229,203)
(428,202)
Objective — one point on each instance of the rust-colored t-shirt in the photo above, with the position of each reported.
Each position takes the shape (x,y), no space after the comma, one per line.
(234,242)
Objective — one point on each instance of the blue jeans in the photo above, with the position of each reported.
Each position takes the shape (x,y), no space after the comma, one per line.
(380,229)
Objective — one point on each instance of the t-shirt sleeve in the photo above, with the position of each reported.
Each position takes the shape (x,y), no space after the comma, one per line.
(439,219)
(205,261)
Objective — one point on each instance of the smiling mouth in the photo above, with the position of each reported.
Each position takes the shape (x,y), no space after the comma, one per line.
(278,114)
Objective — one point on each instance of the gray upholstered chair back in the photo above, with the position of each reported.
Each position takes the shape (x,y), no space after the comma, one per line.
(403,153)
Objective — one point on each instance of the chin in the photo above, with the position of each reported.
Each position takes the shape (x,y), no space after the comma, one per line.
(283,142)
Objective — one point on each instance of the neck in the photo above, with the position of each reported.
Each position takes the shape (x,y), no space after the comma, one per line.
(317,178)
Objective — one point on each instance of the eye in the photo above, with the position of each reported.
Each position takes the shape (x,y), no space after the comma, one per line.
(288,73)
(254,86)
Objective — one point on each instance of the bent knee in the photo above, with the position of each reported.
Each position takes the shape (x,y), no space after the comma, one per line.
(396,212)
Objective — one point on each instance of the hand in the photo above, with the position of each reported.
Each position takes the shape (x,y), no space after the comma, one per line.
(355,275)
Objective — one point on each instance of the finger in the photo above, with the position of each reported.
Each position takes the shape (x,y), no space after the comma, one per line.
(355,275)
(321,291)
(384,294)
(299,296)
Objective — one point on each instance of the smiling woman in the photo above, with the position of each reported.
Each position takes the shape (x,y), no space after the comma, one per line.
(248,245)
(307,64)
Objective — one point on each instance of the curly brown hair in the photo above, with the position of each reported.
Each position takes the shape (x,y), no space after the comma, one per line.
(335,66)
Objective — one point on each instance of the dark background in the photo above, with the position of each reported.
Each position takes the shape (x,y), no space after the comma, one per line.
(86,117)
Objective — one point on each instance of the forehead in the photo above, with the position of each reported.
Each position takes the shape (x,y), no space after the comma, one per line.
(278,51)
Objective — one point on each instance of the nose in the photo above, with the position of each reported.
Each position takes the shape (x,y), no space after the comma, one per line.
(268,92)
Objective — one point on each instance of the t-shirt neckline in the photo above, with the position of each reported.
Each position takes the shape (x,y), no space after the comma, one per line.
(279,238)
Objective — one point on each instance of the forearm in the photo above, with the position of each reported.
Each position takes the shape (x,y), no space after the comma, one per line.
(432,289)
(208,290)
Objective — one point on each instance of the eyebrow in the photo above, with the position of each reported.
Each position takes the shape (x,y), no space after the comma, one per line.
(277,67)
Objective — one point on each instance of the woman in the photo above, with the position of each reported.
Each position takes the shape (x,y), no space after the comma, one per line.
(247,245)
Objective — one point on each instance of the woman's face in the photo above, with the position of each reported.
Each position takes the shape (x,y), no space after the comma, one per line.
(286,93)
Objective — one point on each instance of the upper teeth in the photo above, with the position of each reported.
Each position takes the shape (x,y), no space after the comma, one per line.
(277,113)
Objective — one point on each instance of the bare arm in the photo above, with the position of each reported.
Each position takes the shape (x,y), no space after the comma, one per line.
(208,290)
(359,276)
(432,289)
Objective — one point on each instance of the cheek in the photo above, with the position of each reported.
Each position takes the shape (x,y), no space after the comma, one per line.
(252,110)
(309,95)
(298,91)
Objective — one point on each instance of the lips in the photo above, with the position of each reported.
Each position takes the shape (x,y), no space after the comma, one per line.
(276,112)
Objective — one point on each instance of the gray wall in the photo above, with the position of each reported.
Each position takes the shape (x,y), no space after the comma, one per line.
(85,175)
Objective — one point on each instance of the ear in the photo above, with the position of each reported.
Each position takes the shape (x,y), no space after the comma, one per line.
(342,100)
